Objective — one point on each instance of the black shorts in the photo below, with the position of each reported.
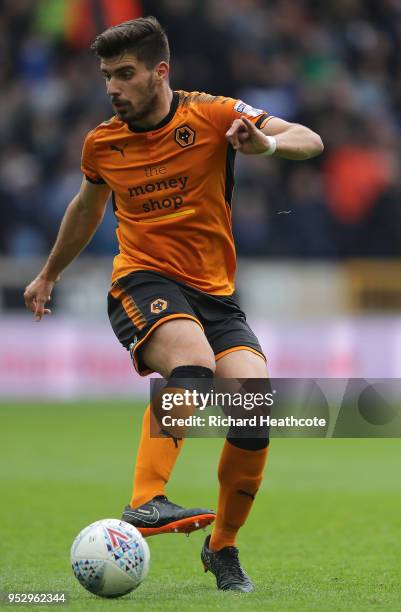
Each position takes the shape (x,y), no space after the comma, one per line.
(141,301)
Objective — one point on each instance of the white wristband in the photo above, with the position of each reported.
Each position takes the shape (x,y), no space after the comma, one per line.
(272,146)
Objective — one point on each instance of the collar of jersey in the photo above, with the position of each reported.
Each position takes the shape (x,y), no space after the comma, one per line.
(163,122)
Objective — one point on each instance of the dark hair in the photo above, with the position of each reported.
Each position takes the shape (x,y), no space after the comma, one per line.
(144,37)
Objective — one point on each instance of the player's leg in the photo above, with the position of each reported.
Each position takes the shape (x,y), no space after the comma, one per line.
(152,319)
(178,350)
(240,473)
(177,344)
(242,460)
(238,355)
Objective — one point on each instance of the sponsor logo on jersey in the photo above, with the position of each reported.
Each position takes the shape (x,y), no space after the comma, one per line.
(246,109)
(173,201)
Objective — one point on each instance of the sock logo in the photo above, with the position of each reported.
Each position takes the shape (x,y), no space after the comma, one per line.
(242,492)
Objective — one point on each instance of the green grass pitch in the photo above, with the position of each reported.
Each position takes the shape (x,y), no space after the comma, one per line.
(325,532)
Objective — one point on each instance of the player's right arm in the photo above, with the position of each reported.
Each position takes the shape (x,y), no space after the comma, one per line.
(81,219)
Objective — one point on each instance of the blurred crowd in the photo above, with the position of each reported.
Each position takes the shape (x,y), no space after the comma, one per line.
(334,66)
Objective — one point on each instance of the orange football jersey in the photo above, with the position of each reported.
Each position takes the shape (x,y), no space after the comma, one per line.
(172,187)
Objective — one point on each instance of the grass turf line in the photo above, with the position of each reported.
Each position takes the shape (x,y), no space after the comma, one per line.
(324,533)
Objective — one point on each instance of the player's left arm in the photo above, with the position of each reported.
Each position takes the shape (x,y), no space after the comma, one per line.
(277,137)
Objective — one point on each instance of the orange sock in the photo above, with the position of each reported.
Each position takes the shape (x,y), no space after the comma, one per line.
(240,474)
(154,462)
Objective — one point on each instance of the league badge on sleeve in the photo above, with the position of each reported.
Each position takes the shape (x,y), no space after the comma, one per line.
(246,109)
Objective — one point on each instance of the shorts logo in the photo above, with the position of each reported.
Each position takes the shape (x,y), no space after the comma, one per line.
(133,343)
(184,136)
(158,305)
(131,348)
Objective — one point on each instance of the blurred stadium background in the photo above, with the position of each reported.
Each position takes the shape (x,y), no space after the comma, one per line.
(319,243)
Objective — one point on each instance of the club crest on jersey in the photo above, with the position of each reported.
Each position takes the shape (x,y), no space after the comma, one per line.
(158,305)
(184,136)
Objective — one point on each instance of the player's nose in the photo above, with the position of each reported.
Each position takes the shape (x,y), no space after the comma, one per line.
(112,87)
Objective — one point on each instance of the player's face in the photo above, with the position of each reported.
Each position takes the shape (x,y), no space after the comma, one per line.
(132,87)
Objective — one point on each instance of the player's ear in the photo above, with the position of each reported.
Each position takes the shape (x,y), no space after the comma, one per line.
(162,71)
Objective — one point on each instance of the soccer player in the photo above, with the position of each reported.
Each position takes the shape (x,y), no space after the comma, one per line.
(167,157)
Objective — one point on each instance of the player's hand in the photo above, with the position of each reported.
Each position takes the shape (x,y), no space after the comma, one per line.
(245,137)
(37,293)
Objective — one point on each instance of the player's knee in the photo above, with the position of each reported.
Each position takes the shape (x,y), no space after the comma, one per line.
(189,378)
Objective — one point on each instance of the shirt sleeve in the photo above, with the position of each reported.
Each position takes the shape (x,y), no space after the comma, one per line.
(225,110)
(88,161)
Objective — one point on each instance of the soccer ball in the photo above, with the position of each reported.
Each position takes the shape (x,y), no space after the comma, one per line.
(110,558)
